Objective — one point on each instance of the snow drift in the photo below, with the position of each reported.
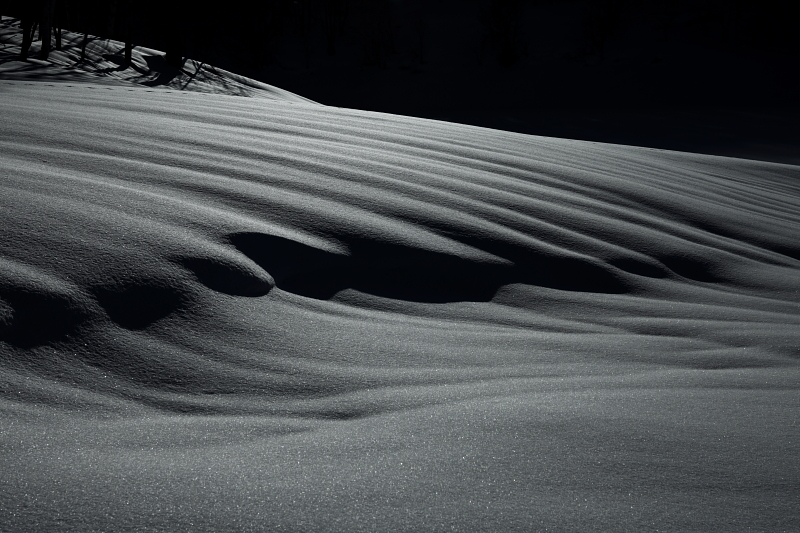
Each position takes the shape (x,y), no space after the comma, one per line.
(250,314)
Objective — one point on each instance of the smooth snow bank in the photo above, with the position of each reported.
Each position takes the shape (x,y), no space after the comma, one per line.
(294,317)
(104,65)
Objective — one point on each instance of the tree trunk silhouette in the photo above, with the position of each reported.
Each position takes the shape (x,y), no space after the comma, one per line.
(60,21)
(173,53)
(27,39)
(172,29)
(84,42)
(46,27)
(111,19)
(28,24)
(123,22)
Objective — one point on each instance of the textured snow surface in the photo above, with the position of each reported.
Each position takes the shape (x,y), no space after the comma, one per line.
(104,64)
(238,314)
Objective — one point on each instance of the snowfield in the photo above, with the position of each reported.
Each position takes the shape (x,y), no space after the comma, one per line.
(247,314)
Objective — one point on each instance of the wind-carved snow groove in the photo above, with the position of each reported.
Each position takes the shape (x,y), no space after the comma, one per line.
(411,274)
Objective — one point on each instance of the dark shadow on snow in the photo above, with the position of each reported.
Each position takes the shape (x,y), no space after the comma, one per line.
(29,319)
(118,58)
(137,305)
(166,72)
(410,274)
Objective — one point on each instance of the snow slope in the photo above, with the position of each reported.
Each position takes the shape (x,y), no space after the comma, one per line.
(104,65)
(240,314)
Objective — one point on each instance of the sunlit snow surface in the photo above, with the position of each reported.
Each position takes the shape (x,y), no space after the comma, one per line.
(221,313)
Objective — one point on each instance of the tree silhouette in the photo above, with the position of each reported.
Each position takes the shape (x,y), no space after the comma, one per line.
(123,18)
(48,12)
(172,32)
(27,23)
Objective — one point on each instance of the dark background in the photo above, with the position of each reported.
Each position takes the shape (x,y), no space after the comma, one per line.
(715,76)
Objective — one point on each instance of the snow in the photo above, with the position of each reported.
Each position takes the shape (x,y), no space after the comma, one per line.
(242,314)
(104,65)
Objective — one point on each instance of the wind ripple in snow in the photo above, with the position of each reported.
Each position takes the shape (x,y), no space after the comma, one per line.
(229,314)
(267,250)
